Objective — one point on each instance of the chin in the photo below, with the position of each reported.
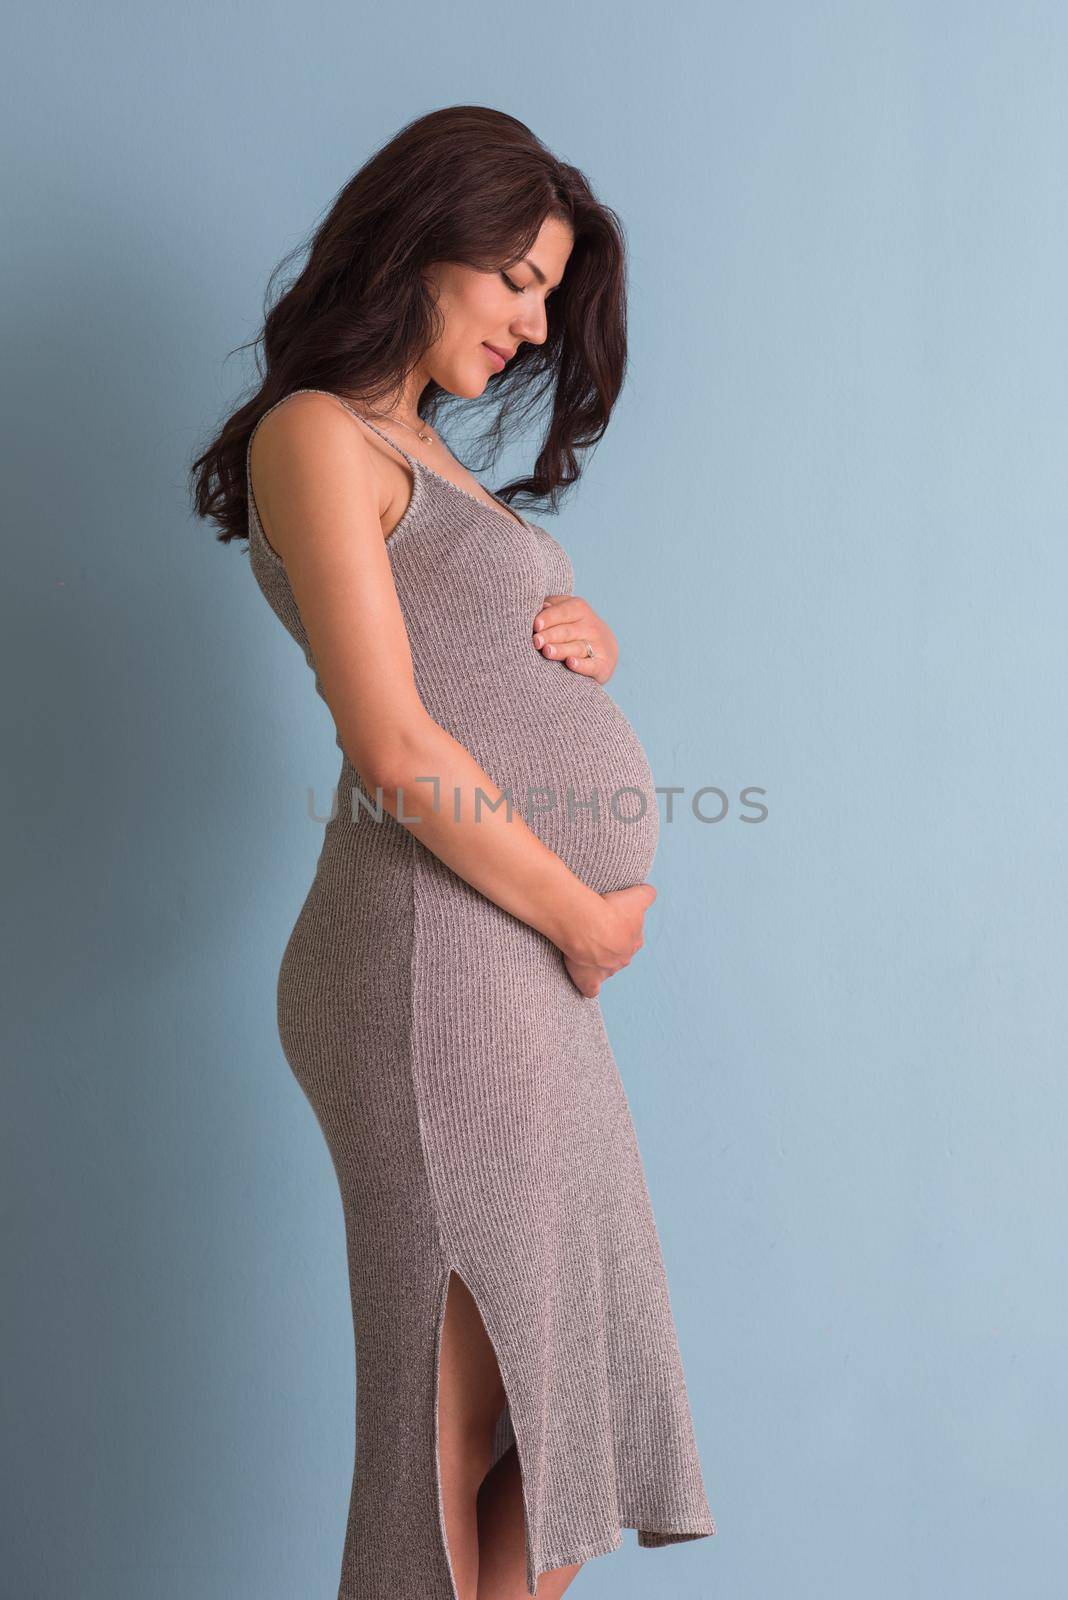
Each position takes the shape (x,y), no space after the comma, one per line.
(473,387)
(465,386)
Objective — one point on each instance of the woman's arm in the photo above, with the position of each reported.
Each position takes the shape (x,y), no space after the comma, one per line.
(322,494)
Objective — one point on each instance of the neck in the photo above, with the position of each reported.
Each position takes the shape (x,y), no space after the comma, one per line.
(402,405)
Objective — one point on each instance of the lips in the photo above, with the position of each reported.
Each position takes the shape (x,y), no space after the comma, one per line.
(502,357)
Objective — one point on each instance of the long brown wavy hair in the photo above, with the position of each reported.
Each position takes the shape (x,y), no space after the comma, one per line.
(463,184)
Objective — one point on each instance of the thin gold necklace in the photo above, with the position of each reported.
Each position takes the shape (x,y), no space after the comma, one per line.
(420,433)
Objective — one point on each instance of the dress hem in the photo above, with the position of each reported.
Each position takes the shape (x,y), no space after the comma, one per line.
(648,1539)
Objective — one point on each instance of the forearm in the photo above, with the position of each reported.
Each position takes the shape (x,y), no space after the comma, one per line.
(497,853)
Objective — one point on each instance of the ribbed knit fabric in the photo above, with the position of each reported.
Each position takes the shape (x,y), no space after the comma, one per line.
(468,1093)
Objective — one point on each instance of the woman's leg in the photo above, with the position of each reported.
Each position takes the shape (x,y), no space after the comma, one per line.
(470,1399)
(485,1531)
(502,1571)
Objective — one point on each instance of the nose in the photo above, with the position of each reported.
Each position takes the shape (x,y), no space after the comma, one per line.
(531,324)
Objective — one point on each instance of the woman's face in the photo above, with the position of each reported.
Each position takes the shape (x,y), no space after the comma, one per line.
(503,309)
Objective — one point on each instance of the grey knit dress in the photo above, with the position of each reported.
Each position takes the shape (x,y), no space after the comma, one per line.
(467,1091)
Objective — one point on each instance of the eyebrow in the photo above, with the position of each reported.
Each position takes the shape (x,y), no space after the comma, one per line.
(538,273)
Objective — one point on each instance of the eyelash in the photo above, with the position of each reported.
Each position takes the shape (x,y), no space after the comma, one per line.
(521,288)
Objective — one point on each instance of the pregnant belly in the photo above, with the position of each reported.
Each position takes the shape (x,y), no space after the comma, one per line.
(575,770)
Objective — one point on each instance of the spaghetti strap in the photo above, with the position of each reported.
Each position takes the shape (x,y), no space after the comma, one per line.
(411,460)
(500,507)
(256,528)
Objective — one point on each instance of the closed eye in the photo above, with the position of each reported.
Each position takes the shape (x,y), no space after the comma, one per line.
(517,288)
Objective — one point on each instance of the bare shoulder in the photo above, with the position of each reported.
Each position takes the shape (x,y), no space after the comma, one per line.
(307,424)
(313,468)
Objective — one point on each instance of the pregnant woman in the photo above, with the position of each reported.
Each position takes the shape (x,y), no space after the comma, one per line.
(520,1391)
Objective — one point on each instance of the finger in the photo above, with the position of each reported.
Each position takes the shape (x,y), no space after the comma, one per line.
(568,645)
(568,610)
(585,979)
(574,654)
(564,634)
(585,666)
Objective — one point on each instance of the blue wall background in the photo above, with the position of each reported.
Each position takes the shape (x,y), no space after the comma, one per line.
(828,526)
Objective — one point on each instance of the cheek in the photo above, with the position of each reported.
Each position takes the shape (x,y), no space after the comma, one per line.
(467,345)
(485,312)
(474,310)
